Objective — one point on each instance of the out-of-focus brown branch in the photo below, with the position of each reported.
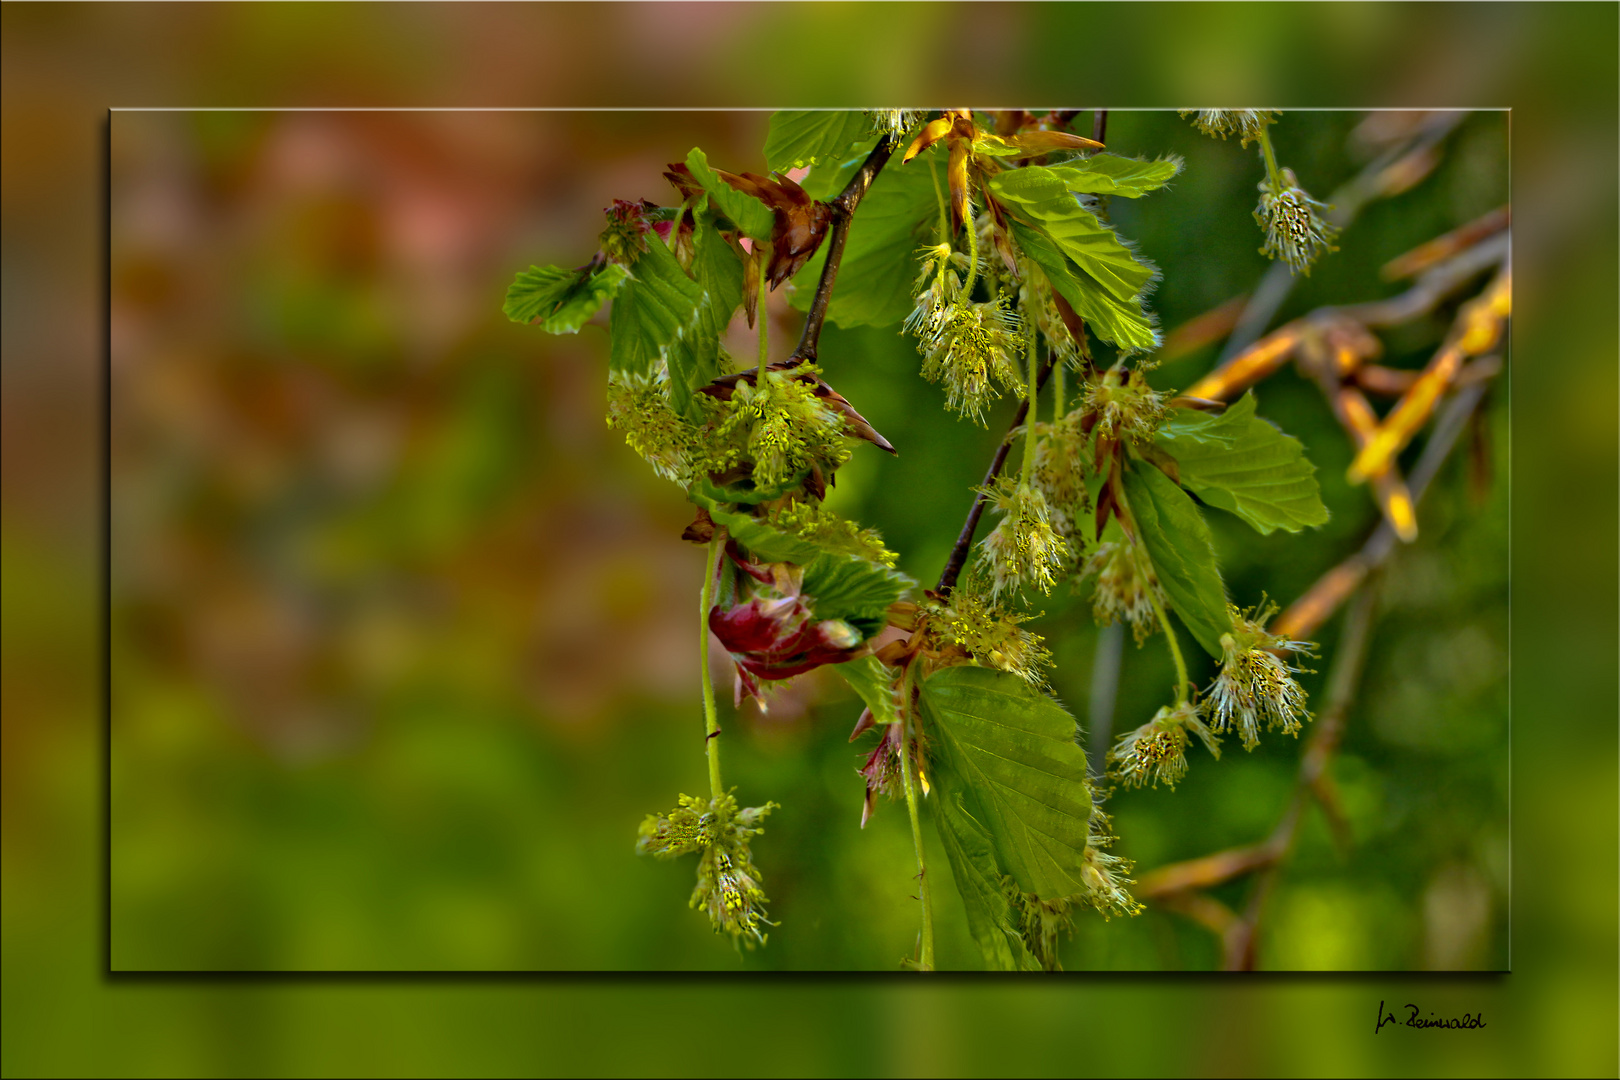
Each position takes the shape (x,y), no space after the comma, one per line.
(843,211)
(1318,603)
(1197,332)
(1267,356)
(1444,247)
(1179,886)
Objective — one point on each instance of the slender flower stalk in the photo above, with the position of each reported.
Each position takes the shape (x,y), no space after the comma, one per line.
(711,724)
(907,764)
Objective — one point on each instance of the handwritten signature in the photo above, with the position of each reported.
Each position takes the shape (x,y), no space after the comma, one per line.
(1467,1020)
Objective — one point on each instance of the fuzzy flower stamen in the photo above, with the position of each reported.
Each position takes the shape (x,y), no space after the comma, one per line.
(1254,685)
(1296,231)
(1156,752)
(1121,593)
(1023,548)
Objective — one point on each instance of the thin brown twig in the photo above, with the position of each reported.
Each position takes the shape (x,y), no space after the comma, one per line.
(964,540)
(843,211)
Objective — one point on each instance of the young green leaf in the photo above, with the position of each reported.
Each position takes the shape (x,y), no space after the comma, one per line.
(1123,323)
(1242,464)
(816,137)
(879,267)
(1008,754)
(563,300)
(1110,174)
(694,359)
(650,312)
(1178,542)
(873,680)
(750,215)
(760,539)
(990,916)
(852,589)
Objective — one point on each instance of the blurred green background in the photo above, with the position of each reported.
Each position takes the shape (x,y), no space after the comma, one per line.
(400,641)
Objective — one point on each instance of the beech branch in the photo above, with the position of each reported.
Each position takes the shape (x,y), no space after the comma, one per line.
(843,210)
(964,540)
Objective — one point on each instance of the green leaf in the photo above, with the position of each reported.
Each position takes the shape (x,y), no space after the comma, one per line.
(763,541)
(650,311)
(880,267)
(816,137)
(695,359)
(563,300)
(990,915)
(1178,542)
(1110,174)
(1007,757)
(1120,322)
(852,589)
(753,217)
(825,181)
(1241,463)
(873,680)
(1100,277)
(662,313)
(1038,193)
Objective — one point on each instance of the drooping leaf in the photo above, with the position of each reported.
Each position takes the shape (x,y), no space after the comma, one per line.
(1185,426)
(563,300)
(1121,322)
(1008,753)
(750,215)
(852,589)
(695,360)
(1241,463)
(763,541)
(880,266)
(1178,541)
(651,310)
(873,680)
(816,137)
(1110,174)
(990,915)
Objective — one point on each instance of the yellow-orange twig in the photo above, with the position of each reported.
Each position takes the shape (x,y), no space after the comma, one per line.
(1444,247)
(1477,330)
(1249,366)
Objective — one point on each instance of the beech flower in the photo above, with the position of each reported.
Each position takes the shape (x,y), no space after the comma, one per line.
(970,350)
(1296,232)
(1246,124)
(728,884)
(1122,591)
(1157,751)
(1253,684)
(991,636)
(1023,548)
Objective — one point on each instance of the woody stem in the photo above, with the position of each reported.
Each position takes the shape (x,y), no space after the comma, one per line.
(964,540)
(843,209)
(711,725)
(926,962)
